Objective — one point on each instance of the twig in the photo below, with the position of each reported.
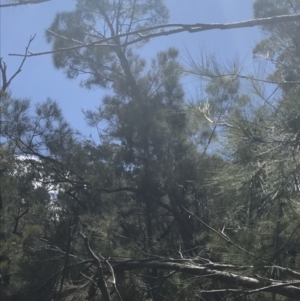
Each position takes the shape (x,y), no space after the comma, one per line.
(225,237)
(242,76)
(277,285)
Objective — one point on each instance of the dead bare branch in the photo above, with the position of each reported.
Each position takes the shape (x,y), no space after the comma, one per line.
(3,68)
(191,28)
(255,284)
(22,2)
(101,283)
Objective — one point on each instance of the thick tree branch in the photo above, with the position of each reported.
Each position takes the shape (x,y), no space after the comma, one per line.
(198,27)
(178,28)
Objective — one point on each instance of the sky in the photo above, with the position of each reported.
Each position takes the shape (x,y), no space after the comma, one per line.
(39,79)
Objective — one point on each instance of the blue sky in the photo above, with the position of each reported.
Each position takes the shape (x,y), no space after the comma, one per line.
(40,80)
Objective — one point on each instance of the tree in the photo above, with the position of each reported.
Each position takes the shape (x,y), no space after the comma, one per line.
(96,20)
